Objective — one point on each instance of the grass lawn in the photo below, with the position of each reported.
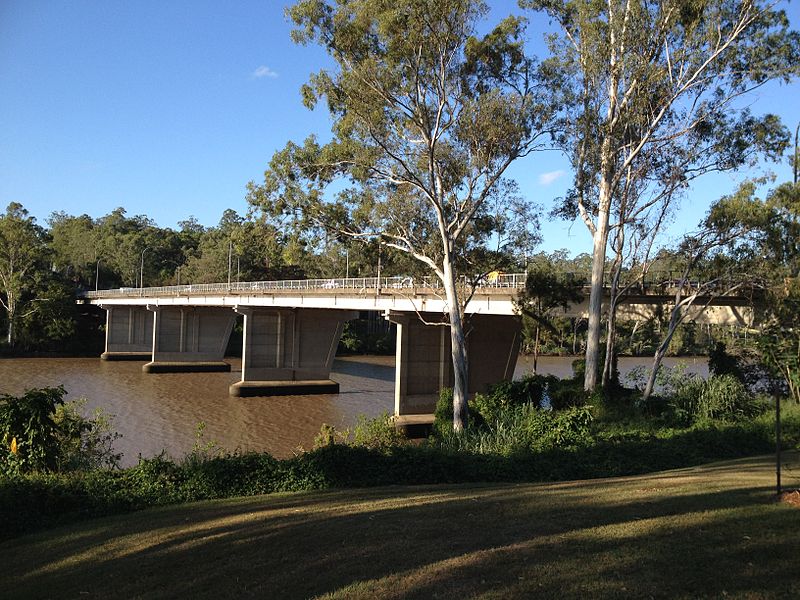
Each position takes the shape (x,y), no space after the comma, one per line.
(705,531)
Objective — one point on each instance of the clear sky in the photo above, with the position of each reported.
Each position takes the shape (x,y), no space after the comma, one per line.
(168,108)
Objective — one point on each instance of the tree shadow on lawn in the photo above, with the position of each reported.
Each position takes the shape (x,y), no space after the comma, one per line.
(634,536)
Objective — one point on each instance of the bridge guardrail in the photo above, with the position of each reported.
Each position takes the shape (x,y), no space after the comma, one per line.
(658,279)
(358,284)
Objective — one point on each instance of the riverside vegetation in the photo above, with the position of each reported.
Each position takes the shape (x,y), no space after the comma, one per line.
(57,466)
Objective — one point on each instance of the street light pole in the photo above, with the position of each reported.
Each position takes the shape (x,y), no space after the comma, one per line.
(141,268)
(97,276)
(230,257)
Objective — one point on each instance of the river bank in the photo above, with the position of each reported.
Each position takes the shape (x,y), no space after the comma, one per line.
(162,412)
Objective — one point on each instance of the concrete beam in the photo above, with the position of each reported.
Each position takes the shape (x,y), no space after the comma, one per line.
(423,364)
(289,351)
(189,339)
(129,333)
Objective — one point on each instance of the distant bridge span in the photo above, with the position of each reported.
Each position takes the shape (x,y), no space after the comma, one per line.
(292,329)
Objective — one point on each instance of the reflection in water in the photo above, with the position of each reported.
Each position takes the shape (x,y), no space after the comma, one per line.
(161,412)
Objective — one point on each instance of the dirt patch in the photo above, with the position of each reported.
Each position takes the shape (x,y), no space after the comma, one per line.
(792,498)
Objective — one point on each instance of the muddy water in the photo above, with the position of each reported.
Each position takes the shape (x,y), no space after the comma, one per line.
(161,412)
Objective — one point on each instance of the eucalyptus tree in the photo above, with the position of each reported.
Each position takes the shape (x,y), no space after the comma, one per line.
(427,116)
(779,252)
(653,90)
(719,256)
(23,253)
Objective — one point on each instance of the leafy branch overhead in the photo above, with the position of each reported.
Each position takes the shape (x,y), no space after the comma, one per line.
(427,117)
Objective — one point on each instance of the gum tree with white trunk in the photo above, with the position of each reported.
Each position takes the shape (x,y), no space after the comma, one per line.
(427,116)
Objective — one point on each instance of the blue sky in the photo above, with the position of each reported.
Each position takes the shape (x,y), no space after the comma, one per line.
(169,108)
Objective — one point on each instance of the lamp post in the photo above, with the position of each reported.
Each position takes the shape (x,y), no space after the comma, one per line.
(141,268)
(97,276)
(230,257)
(378,289)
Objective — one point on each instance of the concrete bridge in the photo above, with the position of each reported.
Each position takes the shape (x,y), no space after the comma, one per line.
(292,330)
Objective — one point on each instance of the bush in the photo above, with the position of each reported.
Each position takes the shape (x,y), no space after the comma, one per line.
(29,434)
(720,397)
(41,432)
(522,429)
(720,362)
(376,434)
(443,413)
(531,390)
(85,443)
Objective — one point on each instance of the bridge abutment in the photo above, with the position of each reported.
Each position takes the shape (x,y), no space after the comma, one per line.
(423,364)
(289,351)
(189,339)
(129,333)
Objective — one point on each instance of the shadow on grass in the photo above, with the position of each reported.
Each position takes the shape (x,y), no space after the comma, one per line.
(690,532)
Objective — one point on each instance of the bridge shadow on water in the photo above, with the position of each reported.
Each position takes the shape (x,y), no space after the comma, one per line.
(372,367)
(629,537)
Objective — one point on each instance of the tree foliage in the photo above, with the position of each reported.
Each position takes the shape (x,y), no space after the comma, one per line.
(427,117)
(652,90)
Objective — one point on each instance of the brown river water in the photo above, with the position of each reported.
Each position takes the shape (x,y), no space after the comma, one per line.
(156,412)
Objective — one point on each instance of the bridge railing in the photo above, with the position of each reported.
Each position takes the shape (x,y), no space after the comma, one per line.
(356,284)
(661,280)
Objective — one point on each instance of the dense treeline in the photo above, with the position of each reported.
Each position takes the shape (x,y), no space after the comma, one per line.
(42,268)
(47,266)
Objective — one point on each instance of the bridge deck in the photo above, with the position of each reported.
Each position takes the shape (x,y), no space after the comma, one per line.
(491,294)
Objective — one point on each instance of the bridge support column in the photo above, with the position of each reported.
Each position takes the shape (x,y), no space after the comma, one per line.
(190,339)
(424,366)
(129,333)
(289,351)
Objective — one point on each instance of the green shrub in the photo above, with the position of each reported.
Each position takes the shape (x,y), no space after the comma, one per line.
(85,443)
(202,450)
(566,393)
(522,429)
(376,434)
(720,397)
(531,390)
(443,413)
(29,435)
(720,362)
(41,432)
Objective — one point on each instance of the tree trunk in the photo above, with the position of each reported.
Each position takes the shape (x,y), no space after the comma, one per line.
(11,302)
(458,348)
(536,350)
(611,338)
(661,351)
(596,293)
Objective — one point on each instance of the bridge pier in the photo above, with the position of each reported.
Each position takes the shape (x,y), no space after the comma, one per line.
(424,365)
(189,339)
(287,351)
(129,333)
